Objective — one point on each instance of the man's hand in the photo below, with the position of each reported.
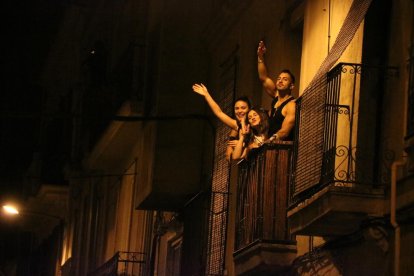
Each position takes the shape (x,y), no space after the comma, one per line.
(268,83)
(261,50)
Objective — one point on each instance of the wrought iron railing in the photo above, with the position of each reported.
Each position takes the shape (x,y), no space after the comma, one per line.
(123,263)
(339,129)
(262,194)
(131,263)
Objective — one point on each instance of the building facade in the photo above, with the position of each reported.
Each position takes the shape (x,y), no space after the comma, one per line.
(150,190)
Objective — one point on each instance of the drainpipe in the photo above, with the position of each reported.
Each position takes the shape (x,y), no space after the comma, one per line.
(393,220)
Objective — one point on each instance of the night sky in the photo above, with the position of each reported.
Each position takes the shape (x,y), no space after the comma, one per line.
(27,29)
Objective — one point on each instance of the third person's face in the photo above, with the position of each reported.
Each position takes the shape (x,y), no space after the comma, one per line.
(283,82)
(253,118)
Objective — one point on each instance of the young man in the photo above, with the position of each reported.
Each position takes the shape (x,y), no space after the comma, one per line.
(282,112)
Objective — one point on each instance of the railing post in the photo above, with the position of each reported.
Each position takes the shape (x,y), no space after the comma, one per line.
(263,240)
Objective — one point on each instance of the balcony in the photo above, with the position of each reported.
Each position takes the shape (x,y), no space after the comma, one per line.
(341,164)
(263,244)
(123,263)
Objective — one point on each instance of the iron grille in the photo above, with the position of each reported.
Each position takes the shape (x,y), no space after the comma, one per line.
(122,263)
(131,263)
(339,127)
(308,159)
(262,196)
(218,217)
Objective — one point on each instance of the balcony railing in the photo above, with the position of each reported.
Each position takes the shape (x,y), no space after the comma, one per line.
(262,195)
(342,159)
(123,263)
(339,127)
(263,242)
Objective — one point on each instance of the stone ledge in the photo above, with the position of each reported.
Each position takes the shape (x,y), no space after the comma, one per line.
(336,211)
(264,258)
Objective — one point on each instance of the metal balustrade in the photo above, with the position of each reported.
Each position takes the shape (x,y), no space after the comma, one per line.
(123,263)
(340,131)
(262,196)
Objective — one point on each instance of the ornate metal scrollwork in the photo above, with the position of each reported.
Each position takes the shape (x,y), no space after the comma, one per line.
(354,69)
(348,166)
(320,159)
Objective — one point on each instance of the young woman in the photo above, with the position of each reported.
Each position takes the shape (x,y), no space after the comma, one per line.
(241,107)
(253,134)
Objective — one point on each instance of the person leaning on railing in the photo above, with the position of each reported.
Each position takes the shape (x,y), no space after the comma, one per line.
(282,112)
(252,134)
(241,107)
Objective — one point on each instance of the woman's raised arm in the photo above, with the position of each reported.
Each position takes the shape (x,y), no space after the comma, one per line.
(226,119)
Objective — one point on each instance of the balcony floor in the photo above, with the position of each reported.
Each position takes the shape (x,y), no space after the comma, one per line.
(336,210)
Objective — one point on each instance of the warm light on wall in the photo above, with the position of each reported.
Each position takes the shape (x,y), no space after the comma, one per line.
(10,210)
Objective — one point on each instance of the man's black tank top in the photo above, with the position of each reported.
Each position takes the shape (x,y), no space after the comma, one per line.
(276,118)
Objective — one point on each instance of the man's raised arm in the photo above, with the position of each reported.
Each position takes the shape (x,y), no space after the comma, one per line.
(267,82)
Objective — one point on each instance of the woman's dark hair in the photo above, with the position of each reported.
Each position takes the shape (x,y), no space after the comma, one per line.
(263,127)
(243,99)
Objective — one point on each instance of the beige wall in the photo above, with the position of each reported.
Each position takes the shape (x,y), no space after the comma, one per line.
(321,26)
(322,21)
(289,46)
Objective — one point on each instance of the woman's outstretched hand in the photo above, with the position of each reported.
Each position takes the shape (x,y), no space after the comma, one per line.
(200,89)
